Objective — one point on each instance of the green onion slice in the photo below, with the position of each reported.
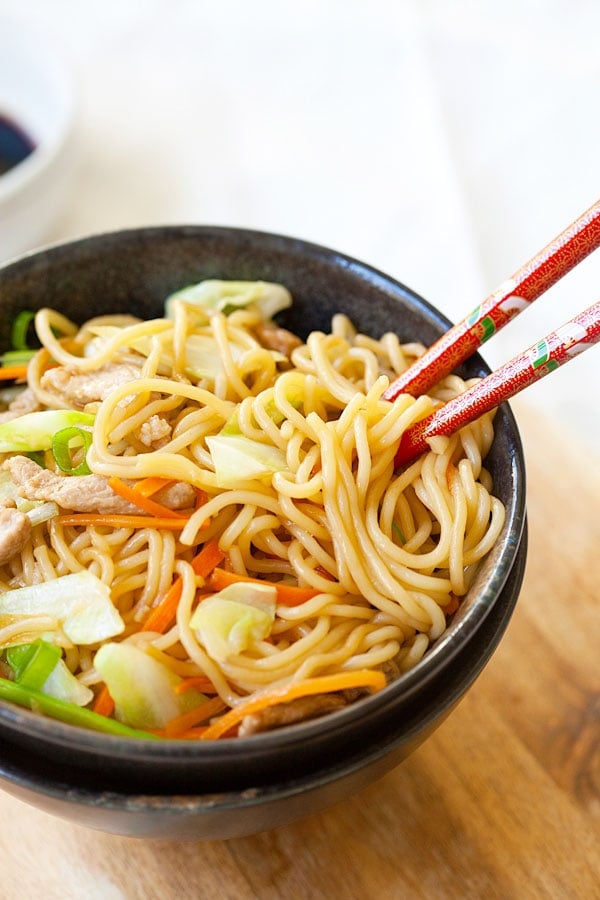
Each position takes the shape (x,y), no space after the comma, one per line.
(33,663)
(19,330)
(398,532)
(66,712)
(17,357)
(62,453)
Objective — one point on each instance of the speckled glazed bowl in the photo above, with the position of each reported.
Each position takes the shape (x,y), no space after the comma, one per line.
(209,790)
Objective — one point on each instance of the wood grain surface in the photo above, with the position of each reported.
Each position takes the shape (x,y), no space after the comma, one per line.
(502,802)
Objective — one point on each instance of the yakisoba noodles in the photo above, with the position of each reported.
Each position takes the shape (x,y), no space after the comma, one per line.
(258,560)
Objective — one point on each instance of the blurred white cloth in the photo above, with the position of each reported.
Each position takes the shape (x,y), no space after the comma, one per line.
(443,143)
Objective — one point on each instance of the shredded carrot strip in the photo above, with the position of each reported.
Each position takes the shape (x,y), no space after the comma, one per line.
(287,594)
(201,498)
(163,614)
(195,716)
(151,485)
(148,486)
(451,606)
(203,564)
(322,684)
(8,373)
(145,503)
(192,734)
(209,557)
(119,521)
(104,703)
(196,683)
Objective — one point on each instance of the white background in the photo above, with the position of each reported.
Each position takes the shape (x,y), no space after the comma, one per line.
(443,142)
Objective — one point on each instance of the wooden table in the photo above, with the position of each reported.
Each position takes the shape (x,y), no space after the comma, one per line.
(502,802)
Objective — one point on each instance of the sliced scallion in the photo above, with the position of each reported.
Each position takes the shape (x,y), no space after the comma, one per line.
(62,450)
(66,712)
(16,357)
(397,531)
(37,456)
(33,663)
(20,328)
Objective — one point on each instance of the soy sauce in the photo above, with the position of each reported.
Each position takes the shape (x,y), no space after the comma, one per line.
(15,145)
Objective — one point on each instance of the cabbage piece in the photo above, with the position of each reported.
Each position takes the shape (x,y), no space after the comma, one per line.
(66,712)
(37,510)
(142,687)
(225,296)
(34,431)
(234,619)
(203,358)
(232,426)
(80,602)
(32,663)
(202,355)
(38,666)
(62,684)
(238,458)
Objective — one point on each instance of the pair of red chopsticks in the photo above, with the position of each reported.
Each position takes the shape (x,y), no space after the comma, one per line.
(512,297)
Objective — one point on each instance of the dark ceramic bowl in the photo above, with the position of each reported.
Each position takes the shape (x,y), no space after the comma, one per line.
(211,790)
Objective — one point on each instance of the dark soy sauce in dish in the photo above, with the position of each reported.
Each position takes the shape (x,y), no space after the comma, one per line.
(15,145)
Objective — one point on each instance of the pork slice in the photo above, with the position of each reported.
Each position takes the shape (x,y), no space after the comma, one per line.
(84,493)
(156,432)
(87,493)
(26,402)
(78,389)
(178,495)
(289,713)
(273,337)
(15,531)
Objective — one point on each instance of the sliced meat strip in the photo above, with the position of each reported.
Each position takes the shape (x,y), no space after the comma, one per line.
(78,389)
(15,531)
(87,493)
(178,495)
(156,432)
(25,403)
(273,337)
(84,493)
(289,713)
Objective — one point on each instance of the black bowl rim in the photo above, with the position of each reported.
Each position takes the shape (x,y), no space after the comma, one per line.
(55,731)
(24,776)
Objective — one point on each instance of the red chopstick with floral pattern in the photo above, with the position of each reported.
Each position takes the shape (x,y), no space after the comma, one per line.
(544,357)
(508,300)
